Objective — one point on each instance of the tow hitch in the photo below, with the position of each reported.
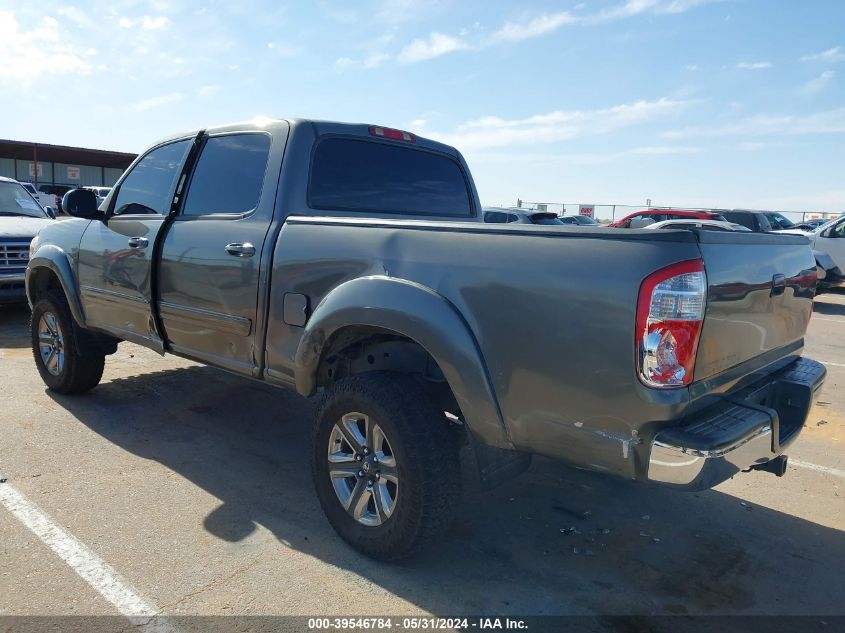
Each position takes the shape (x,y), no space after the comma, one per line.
(776,466)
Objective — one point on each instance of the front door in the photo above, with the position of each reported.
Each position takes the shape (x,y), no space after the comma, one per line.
(210,272)
(115,265)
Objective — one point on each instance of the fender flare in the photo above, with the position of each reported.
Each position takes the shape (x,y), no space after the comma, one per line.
(56,260)
(422,315)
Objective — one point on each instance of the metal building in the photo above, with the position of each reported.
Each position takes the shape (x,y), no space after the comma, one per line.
(43,164)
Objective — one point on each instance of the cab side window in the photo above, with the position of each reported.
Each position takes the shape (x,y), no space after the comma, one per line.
(838,230)
(148,189)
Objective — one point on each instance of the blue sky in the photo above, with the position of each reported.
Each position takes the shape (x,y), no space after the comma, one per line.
(724,103)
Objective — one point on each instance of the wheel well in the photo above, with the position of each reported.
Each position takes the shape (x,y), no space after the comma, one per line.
(41,280)
(360,349)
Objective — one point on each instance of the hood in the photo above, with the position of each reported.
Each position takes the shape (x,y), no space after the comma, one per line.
(19,226)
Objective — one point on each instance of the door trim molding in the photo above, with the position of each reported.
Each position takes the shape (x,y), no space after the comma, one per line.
(219,321)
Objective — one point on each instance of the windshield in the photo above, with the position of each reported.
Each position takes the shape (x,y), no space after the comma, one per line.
(826,224)
(15,200)
(545,218)
(780,221)
(584,219)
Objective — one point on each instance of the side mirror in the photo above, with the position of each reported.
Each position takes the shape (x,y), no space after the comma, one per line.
(80,203)
(51,212)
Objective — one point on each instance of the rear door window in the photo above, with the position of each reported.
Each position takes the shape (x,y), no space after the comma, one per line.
(229,175)
(359,175)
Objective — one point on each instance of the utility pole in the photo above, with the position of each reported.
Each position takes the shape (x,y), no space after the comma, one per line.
(35,164)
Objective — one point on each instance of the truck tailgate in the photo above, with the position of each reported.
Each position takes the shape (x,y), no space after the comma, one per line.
(760,297)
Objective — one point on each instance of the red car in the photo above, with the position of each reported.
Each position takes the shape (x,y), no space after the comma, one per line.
(659,215)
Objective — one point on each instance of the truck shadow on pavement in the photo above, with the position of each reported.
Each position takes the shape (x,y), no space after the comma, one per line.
(14,326)
(830,309)
(553,541)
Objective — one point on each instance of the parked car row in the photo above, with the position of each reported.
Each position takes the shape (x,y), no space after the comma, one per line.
(825,235)
(21,217)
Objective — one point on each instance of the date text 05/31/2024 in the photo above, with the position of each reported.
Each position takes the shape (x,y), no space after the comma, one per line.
(417,623)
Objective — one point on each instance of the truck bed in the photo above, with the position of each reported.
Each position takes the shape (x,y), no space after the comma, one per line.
(553,312)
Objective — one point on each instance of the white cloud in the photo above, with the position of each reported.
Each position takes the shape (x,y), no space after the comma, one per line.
(435,45)
(157,102)
(692,67)
(146,22)
(75,15)
(209,90)
(753,65)
(375,60)
(663,150)
(680,6)
(27,55)
(372,61)
(153,24)
(343,63)
(835,54)
(491,131)
(827,122)
(517,31)
(816,85)
(438,44)
(632,8)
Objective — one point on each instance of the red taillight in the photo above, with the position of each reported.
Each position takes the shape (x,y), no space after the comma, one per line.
(670,313)
(396,135)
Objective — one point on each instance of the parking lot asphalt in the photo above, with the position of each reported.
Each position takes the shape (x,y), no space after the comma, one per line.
(192,487)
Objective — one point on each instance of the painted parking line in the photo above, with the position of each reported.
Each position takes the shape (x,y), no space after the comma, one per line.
(840,321)
(827,362)
(90,567)
(836,472)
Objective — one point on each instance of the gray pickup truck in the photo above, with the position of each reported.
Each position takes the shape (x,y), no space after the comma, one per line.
(351,261)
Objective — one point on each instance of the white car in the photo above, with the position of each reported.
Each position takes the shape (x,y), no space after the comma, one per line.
(709,225)
(44,199)
(100,192)
(828,244)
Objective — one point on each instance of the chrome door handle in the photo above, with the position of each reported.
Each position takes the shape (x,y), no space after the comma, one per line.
(240,250)
(138,242)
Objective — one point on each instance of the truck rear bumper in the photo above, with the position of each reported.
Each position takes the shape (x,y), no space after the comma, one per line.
(741,430)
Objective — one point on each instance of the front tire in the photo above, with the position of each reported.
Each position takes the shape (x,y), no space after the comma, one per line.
(68,358)
(385,464)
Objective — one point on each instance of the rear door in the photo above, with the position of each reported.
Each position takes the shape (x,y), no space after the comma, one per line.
(115,255)
(210,274)
(760,296)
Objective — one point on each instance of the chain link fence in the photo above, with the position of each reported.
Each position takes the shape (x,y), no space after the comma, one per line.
(613,212)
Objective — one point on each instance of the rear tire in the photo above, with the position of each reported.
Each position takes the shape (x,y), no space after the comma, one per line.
(69,359)
(403,442)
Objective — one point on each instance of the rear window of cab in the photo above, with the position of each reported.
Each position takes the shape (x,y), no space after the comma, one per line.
(360,175)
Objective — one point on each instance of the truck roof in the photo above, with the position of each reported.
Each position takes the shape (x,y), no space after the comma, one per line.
(320,127)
